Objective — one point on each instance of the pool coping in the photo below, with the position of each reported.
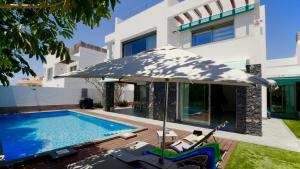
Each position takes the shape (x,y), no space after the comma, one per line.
(75,146)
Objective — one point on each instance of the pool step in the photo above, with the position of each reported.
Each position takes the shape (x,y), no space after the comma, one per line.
(59,153)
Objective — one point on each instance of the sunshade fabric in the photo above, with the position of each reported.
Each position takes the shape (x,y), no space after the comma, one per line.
(212,11)
(286,80)
(171,63)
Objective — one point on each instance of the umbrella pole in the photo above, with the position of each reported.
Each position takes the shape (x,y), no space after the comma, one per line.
(161,159)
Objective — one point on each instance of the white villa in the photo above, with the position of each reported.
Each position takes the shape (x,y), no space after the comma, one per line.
(285,102)
(82,55)
(229,31)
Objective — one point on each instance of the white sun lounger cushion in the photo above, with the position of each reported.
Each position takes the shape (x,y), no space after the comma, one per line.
(2,157)
(181,145)
(187,142)
(127,135)
(193,138)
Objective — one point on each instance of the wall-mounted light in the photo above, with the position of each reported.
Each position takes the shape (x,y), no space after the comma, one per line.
(257,22)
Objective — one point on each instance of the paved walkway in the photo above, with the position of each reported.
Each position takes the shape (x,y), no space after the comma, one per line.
(275,132)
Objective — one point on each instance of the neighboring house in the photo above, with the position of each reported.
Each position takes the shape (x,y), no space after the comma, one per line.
(33,82)
(285,101)
(82,55)
(229,31)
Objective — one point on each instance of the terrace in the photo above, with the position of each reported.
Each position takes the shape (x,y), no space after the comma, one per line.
(101,147)
(228,141)
(103,129)
(203,101)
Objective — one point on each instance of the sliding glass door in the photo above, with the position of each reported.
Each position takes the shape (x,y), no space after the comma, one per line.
(283,99)
(194,103)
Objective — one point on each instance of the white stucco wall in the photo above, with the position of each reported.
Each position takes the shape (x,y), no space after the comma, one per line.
(88,57)
(249,43)
(84,58)
(17,96)
(283,67)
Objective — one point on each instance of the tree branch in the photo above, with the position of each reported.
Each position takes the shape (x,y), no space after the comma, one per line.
(31,6)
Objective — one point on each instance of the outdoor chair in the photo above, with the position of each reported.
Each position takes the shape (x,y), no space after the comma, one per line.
(194,140)
(139,152)
(2,156)
(186,142)
(212,150)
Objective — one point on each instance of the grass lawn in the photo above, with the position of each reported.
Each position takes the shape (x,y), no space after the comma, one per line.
(294,126)
(252,156)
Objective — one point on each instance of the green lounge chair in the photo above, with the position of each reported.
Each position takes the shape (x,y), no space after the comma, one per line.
(173,155)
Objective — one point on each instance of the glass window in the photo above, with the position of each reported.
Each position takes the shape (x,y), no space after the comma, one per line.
(139,45)
(73,68)
(140,100)
(277,100)
(49,73)
(283,99)
(213,35)
(223,33)
(84,93)
(201,38)
(298,95)
(141,93)
(193,103)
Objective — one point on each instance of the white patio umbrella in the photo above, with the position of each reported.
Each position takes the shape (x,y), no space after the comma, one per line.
(168,64)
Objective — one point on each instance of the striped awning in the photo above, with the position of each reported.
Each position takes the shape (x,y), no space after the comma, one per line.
(213,11)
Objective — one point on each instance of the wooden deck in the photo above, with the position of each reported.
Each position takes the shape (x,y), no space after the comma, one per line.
(148,135)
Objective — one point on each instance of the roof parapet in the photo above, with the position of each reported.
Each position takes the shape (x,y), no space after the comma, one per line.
(171,2)
(298,47)
(118,20)
(75,48)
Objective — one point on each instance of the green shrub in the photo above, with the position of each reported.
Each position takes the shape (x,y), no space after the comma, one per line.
(98,105)
(123,103)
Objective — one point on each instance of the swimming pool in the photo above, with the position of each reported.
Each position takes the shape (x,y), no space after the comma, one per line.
(25,135)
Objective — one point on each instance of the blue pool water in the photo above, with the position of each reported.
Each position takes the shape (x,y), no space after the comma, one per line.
(24,135)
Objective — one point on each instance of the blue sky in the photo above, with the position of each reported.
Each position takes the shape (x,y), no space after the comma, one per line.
(282,16)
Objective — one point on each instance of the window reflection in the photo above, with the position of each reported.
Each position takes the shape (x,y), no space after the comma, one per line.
(140,44)
(283,99)
(193,106)
(213,34)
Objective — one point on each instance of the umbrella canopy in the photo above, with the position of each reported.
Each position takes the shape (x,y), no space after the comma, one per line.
(168,64)
(171,63)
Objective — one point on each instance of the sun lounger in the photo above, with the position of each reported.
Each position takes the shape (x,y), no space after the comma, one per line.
(135,153)
(99,162)
(170,155)
(132,156)
(2,156)
(204,139)
(212,150)
(193,140)
(128,158)
(186,142)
